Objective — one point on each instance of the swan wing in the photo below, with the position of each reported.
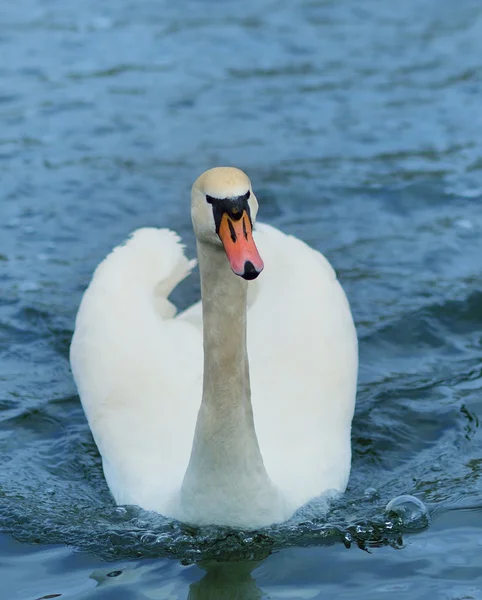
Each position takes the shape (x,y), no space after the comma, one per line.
(303,355)
(138,370)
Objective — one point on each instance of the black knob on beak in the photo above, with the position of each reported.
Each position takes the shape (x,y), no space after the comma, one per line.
(250,271)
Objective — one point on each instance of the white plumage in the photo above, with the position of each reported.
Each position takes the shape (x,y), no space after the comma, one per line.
(139,372)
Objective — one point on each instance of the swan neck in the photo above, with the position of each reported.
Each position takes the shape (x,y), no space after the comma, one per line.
(224,298)
(226,482)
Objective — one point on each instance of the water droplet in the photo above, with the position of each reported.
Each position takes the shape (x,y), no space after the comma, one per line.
(411,511)
(371,493)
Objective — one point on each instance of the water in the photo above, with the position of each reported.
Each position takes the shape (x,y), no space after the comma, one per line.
(360,126)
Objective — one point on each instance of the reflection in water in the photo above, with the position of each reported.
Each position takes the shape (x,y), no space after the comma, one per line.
(226,581)
(221,581)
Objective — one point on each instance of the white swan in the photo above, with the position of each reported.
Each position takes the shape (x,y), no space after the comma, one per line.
(139,369)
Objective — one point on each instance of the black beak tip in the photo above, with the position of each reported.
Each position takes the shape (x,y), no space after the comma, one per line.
(250,271)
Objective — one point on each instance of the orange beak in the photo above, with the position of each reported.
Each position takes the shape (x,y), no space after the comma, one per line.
(237,239)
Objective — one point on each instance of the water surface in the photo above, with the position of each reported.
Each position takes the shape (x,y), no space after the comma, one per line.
(360,126)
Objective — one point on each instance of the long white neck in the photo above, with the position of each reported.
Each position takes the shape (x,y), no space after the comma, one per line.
(226,481)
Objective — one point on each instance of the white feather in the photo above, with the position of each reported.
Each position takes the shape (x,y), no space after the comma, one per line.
(236,458)
(139,369)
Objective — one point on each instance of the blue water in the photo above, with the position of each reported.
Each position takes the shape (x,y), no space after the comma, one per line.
(360,125)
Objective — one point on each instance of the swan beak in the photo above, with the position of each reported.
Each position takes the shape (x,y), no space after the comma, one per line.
(237,238)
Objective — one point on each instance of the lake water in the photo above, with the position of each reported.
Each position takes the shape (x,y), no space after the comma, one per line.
(360,125)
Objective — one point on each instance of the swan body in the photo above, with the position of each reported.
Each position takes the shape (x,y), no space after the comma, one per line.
(185,426)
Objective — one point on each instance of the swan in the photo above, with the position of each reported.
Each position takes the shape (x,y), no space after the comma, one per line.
(184,426)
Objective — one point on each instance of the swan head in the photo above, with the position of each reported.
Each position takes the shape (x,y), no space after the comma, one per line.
(223,210)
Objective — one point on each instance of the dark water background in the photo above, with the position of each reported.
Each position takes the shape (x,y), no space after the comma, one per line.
(360,124)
